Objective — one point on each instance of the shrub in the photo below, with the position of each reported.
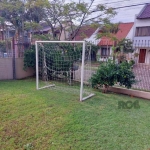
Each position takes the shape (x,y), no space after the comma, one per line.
(5,45)
(132,62)
(125,75)
(29,58)
(110,73)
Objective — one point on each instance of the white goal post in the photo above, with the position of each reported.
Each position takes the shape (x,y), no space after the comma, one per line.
(44,63)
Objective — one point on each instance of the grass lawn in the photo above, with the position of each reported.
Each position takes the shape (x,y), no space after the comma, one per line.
(48,120)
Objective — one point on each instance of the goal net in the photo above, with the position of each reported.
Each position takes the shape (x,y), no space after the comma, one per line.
(64,66)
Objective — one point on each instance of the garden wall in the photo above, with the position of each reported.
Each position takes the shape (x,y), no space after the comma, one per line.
(130,92)
(6,69)
(20,73)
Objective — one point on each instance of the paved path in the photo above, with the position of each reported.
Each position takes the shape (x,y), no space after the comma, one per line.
(142,73)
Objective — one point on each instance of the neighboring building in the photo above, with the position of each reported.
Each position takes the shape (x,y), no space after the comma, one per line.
(46,29)
(6,31)
(141,36)
(88,33)
(125,31)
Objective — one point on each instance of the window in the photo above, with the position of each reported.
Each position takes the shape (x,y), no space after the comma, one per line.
(105,51)
(142,31)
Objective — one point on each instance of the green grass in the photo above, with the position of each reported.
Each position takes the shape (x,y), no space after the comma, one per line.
(50,120)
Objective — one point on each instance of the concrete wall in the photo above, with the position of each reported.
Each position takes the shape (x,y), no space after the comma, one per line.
(130,92)
(6,69)
(20,73)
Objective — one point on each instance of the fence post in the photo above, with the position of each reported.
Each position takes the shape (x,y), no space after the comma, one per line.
(13,60)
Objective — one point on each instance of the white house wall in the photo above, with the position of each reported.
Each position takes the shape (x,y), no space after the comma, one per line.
(142,42)
(140,23)
(93,39)
(147,56)
(100,58)
(130,34)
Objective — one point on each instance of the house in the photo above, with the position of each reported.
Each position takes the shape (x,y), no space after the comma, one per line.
(141,35)
(87,33)
(125,30)
(6,31)
(62,34)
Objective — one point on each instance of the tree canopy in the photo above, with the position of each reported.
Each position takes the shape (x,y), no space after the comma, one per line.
(56,13)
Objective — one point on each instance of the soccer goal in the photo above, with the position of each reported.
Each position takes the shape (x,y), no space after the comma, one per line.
(64,66)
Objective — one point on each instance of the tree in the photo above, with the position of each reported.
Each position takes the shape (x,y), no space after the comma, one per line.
(13,12)
(19,14)
(110,73)
(123,47)
(56,13)
(64,15)
(109,30)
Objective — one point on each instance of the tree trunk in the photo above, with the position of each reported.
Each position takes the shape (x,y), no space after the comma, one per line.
(105,88)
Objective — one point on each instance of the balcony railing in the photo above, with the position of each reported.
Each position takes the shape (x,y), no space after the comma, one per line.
(141,41)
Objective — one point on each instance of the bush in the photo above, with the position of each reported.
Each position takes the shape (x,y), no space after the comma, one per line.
(110,73)
(29,58)
(5,45)
(125,75)
(131,62)
(67,54)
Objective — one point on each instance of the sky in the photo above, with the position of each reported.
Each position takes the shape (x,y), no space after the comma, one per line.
(123,14)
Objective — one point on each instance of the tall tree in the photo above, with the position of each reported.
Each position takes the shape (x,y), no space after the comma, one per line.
(59,15)
(72,16)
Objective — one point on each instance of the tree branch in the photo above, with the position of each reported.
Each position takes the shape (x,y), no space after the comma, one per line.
(77,30)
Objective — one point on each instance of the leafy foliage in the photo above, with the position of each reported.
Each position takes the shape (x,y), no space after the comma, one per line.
(29,58)
(109,30)
(2,46)
(50,54)
(57,14)
(125,45)
(66,54)
(110,73)
(125,75)
(94,49)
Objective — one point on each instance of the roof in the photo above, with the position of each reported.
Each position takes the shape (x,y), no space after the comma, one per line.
(85,32)
(45,28)
(145,12)
(124,29)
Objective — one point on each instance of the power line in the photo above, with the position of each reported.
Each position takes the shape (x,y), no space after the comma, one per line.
(125,6)
(112,2)
(130,6)
(116,2)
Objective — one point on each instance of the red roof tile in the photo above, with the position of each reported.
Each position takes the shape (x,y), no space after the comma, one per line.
(145,12)
(124,29)
(85,32)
